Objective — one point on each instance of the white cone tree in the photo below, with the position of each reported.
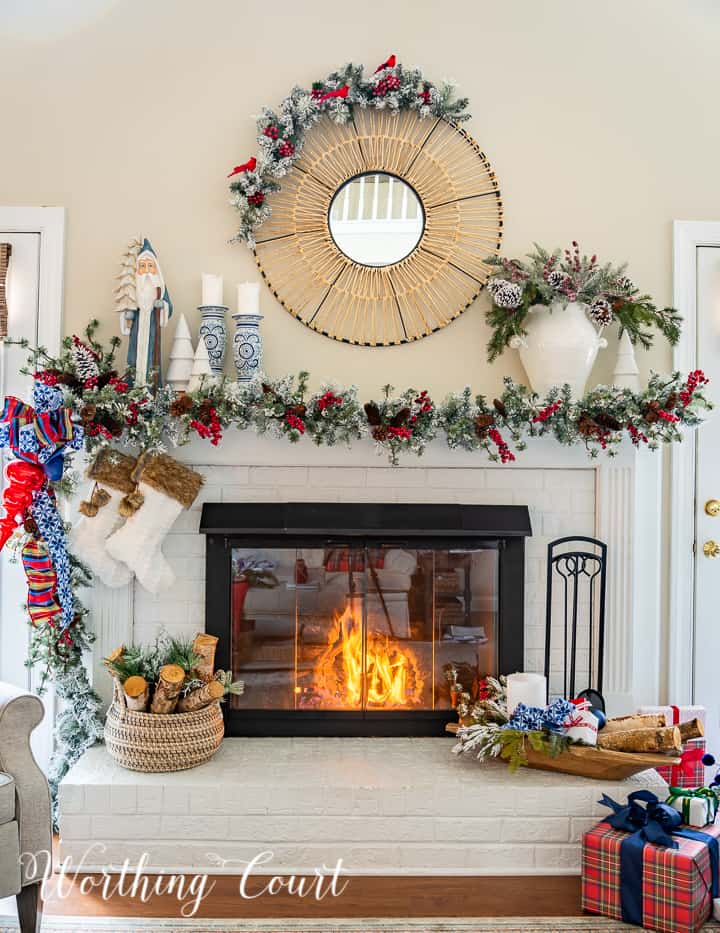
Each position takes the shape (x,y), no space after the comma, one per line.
(200,367)
(182,357)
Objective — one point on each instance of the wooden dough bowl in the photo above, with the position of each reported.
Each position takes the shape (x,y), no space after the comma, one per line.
(600,763)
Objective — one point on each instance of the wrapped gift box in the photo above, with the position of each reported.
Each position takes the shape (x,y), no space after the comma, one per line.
(671,891)
(697,807)
(692,772)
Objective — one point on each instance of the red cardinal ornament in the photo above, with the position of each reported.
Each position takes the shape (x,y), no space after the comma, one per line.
(341,92)
(248,166)
(390,63)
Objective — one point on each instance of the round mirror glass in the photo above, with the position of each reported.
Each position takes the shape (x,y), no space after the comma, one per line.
(376,219)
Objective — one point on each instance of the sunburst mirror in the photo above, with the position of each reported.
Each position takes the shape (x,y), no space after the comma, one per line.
(380,232)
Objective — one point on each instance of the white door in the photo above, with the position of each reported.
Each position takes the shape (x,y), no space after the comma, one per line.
(707,522)
(23,294)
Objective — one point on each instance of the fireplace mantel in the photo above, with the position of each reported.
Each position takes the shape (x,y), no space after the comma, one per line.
(626,491)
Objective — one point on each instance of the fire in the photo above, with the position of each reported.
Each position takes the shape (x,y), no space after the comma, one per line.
(391,676)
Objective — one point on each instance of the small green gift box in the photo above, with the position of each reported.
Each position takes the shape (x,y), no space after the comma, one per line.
(698,807)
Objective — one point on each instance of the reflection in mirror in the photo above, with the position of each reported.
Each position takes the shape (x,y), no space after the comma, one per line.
(376,219)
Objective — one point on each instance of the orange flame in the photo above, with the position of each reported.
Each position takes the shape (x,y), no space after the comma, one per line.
(391,676)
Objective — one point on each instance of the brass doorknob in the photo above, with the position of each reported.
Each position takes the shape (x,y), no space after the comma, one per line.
(712,507)
(711,549)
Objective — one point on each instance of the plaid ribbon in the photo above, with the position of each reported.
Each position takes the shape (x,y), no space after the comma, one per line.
(41,582)
(37,436)
(654,823)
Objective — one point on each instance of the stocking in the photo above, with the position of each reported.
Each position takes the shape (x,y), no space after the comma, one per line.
(88,538)
(165,488)
(112,472)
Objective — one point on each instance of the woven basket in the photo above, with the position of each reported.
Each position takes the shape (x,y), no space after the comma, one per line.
(150,742)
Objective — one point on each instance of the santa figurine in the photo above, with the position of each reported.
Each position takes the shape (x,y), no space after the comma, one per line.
(144,305)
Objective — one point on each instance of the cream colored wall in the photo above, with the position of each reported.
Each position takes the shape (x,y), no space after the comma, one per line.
(600,119)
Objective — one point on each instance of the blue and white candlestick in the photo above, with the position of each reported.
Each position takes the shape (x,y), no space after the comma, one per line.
(247,345)
(213,332)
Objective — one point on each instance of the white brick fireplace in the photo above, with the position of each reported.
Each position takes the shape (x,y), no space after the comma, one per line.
(312,800)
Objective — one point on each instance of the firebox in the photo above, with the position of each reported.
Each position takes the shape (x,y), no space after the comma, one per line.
(361,619)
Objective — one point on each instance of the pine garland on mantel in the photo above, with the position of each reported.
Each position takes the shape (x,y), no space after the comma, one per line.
(114,412)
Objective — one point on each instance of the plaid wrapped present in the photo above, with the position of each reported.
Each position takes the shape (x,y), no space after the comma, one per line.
(653,873)
(691,773)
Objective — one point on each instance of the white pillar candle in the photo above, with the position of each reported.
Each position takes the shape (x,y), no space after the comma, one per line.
(248,298)
(527,688)
(212,290)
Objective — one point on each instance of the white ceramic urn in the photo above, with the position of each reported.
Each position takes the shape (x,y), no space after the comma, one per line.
(560,346)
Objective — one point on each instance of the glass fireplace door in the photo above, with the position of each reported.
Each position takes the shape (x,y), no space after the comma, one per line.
(360,628)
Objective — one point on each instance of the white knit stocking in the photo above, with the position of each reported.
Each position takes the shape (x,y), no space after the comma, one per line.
(87,541)
(138,543)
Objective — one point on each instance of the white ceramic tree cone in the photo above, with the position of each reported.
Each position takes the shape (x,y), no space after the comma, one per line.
(561,346)
(626,374)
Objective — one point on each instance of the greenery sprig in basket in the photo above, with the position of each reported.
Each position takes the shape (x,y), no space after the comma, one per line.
(565,276)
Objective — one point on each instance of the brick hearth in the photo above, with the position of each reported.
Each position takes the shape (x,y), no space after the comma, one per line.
(385,806)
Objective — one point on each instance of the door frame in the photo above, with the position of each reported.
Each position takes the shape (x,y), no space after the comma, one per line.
(49,222)
(688,236)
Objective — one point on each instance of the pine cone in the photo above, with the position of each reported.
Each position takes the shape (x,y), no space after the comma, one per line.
(181,406)
(104,378)
(587,425)
(500,407)
(482,424)
(87,413)
(204,415)
(607,421)
(299,410)
(671,401)
(380,433)
(31,527)
(114,427)
(372,412)
(650,412)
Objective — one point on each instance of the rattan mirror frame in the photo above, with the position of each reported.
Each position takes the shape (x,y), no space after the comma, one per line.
(395,304)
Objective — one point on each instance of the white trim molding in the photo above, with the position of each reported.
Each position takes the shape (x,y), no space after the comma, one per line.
(49,222)
(688,235)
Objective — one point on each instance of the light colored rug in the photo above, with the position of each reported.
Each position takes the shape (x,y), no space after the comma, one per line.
(369,925)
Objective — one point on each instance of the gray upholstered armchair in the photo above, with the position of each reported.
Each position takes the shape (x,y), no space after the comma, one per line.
(25,826)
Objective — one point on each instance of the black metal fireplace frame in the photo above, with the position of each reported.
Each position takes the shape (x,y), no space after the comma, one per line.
(305,524)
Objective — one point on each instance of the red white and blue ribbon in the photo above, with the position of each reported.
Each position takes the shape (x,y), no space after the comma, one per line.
(38,437)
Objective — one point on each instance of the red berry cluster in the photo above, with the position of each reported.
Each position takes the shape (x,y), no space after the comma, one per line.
(295,423)
(547,412)
(425,97)
(118,384)
(328,399)
(483,691)
(389,83)
(286,149)
(65,639)
(506,455)
(91,383)
(667,416)
(401,433)
(636,435)
(133,414)
(696,379)
(213,431)
(48,379)
(256,199)
(317,91)
(424,401)
(95,430)
(272,132)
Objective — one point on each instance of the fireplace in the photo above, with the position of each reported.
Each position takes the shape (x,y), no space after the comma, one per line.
(360,619)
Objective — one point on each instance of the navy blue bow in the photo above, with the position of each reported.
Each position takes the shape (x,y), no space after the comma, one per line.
(655,821)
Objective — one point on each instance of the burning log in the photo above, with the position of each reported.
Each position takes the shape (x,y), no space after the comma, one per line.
(167,691)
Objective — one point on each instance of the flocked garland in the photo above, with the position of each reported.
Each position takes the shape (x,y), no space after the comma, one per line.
(281,133)
(114,412)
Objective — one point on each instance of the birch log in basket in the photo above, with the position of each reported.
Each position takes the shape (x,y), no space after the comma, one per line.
(160,742)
